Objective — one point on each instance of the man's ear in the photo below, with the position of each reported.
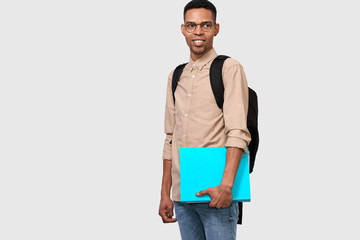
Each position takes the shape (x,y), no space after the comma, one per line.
(217,29)
(182,29)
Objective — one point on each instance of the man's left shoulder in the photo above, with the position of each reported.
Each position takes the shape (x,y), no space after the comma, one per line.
(232,62)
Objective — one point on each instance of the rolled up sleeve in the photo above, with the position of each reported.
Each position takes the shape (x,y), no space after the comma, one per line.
(169,120)
(235,106)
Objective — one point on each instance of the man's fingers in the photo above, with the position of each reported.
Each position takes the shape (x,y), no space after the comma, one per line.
(171,213)
(170,220)
(202,193)
(163,214)
(167,217)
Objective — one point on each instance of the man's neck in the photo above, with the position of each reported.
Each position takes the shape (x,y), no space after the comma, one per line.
(196,57)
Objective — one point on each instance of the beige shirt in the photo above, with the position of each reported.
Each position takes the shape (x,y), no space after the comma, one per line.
(196,121)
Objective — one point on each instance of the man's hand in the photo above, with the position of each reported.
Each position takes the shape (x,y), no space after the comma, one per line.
(166,210)
(221,197)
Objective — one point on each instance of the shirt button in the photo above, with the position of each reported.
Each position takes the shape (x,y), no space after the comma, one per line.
(193,76)
(189,94)
(186,115)
(184,136)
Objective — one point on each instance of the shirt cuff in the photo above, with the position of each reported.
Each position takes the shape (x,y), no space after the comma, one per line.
(236,142)
(167,149)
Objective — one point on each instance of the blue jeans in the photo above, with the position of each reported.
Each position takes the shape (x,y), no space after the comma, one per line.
(199,221)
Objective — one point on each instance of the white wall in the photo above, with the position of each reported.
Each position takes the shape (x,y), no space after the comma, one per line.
(82,96)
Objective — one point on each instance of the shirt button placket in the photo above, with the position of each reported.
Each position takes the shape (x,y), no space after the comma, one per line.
(186,115)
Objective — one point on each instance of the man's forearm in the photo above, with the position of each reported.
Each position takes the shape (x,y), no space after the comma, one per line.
(166,180)
(233,158)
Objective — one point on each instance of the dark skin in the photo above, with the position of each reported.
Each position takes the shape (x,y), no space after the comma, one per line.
(166,207)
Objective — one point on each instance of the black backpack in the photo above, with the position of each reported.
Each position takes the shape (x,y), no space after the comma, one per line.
(217,87)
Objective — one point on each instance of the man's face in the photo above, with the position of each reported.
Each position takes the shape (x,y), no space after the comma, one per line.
(199,41)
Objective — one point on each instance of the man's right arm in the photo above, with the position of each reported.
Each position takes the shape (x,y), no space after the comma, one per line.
(166,204)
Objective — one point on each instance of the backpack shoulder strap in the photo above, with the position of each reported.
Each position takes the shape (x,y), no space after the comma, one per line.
(175,78)
(216,79)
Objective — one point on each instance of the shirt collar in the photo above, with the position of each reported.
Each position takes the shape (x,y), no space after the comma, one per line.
(203,60)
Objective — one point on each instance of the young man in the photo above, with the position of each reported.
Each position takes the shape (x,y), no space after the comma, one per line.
(195,120)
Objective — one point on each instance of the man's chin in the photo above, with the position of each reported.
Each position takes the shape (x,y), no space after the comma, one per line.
(198,50)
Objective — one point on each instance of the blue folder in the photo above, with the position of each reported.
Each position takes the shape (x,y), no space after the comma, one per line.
(202,168)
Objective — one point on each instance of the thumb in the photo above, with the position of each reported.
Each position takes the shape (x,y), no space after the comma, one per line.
(171,212)
(202,193)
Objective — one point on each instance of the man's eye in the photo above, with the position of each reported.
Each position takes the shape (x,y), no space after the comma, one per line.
(190,25)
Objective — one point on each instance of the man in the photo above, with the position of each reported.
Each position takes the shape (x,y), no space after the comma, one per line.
(195,120)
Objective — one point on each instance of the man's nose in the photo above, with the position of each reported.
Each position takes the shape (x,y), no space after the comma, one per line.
(198,30)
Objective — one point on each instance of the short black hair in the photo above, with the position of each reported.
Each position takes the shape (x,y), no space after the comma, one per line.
(201,4)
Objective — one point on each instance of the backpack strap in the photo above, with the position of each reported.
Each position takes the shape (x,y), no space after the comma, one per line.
(175,78)
(216,79)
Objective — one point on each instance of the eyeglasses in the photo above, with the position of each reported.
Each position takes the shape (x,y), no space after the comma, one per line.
(191,26)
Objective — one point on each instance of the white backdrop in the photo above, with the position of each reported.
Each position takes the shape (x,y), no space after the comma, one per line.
(82,97)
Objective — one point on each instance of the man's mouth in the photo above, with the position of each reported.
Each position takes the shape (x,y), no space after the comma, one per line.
(198,42)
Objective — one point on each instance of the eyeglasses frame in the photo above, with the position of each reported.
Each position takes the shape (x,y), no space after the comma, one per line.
(202,24)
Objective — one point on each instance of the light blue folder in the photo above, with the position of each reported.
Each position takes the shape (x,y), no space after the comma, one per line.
(202,168)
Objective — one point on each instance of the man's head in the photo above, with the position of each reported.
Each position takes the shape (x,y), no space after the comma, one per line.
(201,4)
(199,27)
